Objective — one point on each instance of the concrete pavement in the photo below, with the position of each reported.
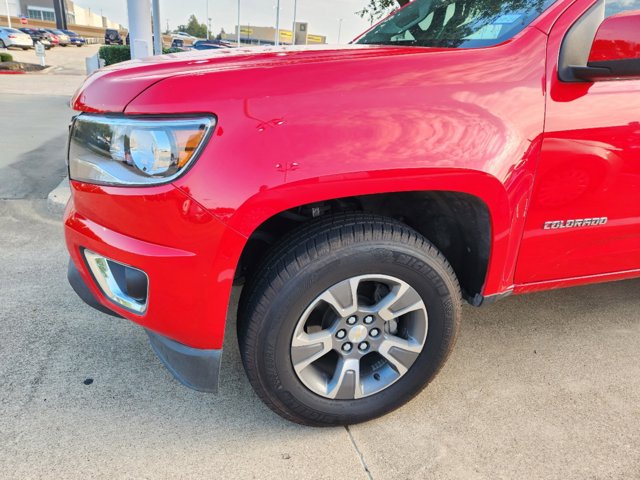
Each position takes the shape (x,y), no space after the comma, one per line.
(66,74)
(539,386)
(35,127)
(63,60)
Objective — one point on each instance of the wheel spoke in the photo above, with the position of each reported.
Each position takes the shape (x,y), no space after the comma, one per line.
(401,300)
(400,353)
(345,383)
(307,348)
(343,297)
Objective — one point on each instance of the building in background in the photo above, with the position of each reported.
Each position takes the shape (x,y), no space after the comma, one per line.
(252,35)
(14,8)
(45,11)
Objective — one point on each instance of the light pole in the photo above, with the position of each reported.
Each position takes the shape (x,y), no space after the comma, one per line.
(277,42)
(339,29)
(238,23)
(157,34)
(139,13)
(207,19)
(293,30)
(8,13)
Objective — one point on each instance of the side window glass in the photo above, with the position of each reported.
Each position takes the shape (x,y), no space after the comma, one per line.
(613,7)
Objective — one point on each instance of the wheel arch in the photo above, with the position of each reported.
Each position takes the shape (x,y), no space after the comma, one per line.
(464,214)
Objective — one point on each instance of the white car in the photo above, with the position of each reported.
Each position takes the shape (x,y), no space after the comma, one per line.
(10,37)
(184,36)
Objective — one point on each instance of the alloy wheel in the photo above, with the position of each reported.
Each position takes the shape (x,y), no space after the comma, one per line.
(359,337)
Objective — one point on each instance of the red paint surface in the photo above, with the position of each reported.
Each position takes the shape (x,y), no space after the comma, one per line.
(618,38)
(588,168)
(306,124)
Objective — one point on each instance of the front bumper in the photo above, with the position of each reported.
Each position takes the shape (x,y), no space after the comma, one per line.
(198,369)
(188,256)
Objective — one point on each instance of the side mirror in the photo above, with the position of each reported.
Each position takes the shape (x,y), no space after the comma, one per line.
(616,50)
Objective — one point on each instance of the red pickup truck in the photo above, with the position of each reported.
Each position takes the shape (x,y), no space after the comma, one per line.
(458,150)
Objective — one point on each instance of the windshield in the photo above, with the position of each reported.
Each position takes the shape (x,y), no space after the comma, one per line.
(455,23)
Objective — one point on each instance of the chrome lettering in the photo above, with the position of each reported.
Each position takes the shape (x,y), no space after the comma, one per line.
(575,223)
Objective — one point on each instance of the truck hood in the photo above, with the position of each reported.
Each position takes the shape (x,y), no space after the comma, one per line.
(112,88)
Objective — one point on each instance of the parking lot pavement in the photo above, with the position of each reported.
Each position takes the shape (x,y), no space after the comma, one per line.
(66,74)
(35,127)
(539,386)
(63,60)
(133,420)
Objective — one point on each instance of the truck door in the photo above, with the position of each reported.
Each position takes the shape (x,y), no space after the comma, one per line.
(584,214)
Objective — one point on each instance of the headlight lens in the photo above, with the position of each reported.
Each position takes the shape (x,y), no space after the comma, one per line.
(108,150)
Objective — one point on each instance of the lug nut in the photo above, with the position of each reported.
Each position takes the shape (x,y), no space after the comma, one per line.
(363,346)
(368,319)
(341,334)
(374,332)
(346,347)
(352,320)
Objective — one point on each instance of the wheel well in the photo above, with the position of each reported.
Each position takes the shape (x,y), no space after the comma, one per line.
(458,224)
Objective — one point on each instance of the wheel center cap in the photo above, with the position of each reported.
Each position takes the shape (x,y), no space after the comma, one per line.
(357,334)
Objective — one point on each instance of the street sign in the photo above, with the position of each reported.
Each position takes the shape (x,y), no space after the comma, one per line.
(40,53)
(23,20)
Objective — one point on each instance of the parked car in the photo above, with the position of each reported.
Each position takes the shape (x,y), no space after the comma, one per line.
(456,151)
(112,36)
(184,36)
(74,38)
(177,43)
(11,37)
(53,39)
(37,36)
(63,38)
(209,45)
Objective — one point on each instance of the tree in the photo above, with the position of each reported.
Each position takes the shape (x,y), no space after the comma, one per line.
(193,27)
(376,9)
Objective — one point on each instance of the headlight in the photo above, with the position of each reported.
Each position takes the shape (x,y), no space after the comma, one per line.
(110,150)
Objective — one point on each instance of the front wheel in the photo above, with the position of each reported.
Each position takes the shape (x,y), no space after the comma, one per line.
(348,319)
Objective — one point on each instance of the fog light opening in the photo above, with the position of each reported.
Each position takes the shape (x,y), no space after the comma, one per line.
(122,284)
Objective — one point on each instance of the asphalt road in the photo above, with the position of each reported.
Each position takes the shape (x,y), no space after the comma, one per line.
(545,386)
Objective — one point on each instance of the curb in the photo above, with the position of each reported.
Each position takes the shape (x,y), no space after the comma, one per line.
(59,196)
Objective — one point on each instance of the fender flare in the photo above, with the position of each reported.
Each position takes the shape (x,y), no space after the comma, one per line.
(269,203)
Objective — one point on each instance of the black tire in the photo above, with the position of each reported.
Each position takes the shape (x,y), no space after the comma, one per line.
(308,262)
(2,45)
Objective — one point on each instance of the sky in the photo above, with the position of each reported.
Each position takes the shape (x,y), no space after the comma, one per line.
(323,16)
